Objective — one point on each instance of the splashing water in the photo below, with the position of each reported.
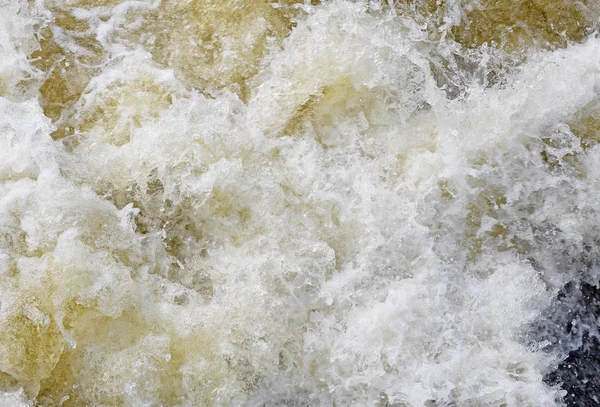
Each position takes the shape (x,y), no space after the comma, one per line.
(261,203)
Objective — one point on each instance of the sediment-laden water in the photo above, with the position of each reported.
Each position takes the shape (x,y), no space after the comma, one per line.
(288,203)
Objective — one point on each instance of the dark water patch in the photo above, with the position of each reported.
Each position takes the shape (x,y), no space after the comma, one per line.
(572,330)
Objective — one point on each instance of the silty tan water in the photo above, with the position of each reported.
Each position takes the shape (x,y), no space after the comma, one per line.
(261,203)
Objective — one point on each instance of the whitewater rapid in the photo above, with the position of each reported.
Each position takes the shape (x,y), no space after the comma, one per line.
(223,203)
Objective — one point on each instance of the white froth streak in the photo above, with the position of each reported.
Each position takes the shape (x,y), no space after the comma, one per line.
(392,318)
(490,120)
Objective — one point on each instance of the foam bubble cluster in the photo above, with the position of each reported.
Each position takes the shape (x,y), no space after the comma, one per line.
(291,203)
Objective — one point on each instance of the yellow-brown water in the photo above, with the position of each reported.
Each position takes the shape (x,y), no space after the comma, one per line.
(291,203)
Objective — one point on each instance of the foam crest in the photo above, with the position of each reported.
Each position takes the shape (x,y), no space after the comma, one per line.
(260,203)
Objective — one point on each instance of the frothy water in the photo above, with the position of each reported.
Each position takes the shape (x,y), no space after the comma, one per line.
(336,203)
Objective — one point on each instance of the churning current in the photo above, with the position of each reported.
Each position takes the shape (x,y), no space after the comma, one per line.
(298,203)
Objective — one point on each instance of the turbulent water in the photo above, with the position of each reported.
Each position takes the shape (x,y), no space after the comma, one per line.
(295,203)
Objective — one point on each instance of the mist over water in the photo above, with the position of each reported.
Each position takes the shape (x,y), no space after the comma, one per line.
(288,203)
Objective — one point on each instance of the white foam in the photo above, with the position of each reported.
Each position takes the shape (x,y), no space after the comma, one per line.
(346,236)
